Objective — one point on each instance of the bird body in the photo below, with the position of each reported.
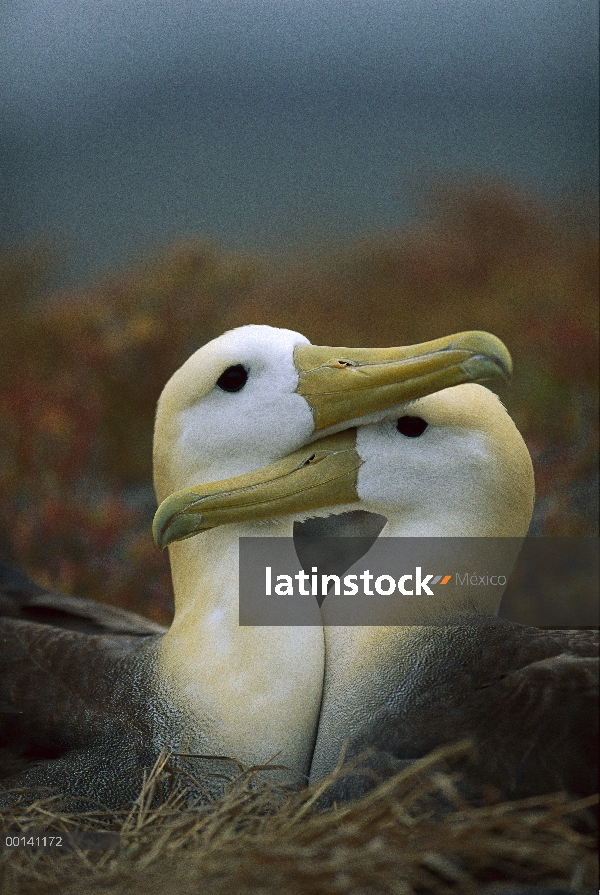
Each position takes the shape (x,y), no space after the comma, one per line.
(526,699)
(467,475)
(84,712)
(74,710)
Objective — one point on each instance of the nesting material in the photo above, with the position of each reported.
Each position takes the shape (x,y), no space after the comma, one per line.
(411,835)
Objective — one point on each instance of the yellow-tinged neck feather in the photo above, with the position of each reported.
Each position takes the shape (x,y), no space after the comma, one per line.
(255,691)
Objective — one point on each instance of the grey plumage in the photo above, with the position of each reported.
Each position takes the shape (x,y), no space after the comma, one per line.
(526,698)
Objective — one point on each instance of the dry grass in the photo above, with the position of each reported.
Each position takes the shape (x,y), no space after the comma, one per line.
(260,838)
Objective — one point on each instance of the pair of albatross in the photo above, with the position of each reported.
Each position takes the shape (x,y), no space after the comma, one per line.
(526,697)
(105,705)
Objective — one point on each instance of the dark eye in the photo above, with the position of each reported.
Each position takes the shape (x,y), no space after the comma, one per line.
(233,379)
(411,426)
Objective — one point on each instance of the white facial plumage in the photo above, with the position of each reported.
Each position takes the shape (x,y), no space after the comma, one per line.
(204,433)
(469,473)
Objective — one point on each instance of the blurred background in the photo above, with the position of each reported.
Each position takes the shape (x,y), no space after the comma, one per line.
(368,173)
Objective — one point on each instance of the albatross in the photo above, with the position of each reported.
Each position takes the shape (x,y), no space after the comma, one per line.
(84,712)
(450,464)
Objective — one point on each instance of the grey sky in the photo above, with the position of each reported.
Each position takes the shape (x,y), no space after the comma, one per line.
(53,46)
(130,121)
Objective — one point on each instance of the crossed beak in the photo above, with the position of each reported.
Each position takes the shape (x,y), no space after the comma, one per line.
(341,385)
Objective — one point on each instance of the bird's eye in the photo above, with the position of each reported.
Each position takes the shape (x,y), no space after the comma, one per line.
(411,426)
(233,379)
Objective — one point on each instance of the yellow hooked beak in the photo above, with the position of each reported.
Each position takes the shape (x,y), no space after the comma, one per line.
(318,475)
(344,384)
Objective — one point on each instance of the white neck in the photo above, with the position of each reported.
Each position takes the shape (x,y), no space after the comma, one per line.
(472,517)
(344,645)
(250,692)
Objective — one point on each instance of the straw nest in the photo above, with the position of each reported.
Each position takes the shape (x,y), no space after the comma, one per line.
(410,835)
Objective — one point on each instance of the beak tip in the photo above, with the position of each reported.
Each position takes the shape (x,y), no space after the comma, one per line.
(172,522)
(490,358)
(159,530)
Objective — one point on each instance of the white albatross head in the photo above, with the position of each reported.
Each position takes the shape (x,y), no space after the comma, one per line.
(454,464)
(232,406)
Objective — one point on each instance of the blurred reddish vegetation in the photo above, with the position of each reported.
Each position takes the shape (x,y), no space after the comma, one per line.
(82,371)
